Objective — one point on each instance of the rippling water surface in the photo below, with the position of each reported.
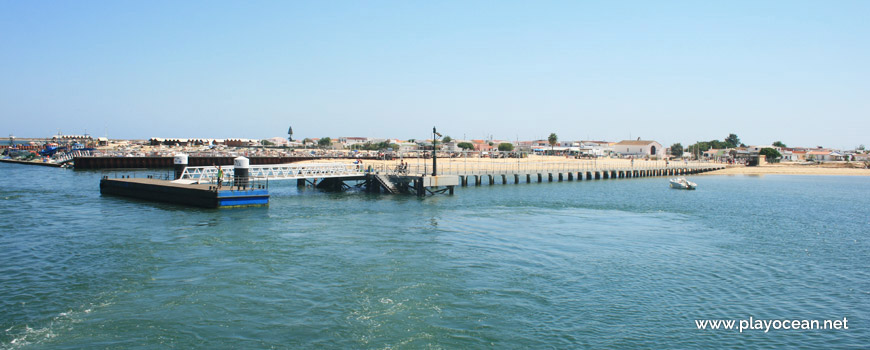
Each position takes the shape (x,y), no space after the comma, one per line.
(600,264)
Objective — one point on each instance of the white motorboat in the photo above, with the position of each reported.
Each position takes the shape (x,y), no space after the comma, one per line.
(682,184)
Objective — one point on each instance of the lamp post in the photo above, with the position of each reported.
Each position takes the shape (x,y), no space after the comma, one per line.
(434,152)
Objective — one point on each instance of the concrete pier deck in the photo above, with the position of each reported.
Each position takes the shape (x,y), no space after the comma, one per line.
(199,195)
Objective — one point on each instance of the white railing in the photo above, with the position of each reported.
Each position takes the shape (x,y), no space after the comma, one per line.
(67,156)
(418,167)
(208,174)
(478,166)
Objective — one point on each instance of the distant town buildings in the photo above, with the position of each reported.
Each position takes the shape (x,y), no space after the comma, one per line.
(647,149)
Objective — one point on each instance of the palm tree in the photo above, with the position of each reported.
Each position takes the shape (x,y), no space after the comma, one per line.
(552,139)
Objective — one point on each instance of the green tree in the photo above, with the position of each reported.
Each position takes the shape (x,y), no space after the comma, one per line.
(732,141)
(677,150)
(324,142)
(368,146)
(701,146)
(552,139)
(505,147)
(779,144)
(446,139)
(267,143)
(772,155)
(465,145)
(306,141)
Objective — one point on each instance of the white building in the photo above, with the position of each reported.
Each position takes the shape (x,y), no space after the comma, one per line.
(596,148)
(756,149)
(825,156)
(278,141)
(789,156)
(405,146)
(350,141)
(639,148)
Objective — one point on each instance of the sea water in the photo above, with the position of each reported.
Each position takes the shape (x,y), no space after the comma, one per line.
(589,264)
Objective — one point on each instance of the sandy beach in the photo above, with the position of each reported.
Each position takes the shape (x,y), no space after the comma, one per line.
(794,169)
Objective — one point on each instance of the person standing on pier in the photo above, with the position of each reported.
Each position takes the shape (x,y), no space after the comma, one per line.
(220,177)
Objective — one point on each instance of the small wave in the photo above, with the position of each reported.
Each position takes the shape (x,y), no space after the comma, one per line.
(25,335)
(29,336)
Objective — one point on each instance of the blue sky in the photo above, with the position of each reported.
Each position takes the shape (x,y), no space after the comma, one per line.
(673,71)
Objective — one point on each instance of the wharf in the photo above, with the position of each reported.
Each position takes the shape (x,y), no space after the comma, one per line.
(414,179)
(195,184)
(199,195)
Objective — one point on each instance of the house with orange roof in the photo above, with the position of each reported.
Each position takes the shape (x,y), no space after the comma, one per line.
(482,146)
(793,154)
(824,156)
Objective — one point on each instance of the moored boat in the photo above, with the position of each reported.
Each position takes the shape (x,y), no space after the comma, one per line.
(682,184)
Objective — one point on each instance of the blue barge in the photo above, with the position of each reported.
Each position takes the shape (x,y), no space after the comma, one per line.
(199,195)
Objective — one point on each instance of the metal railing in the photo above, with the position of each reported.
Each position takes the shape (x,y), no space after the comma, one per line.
(237,183)
(207,174)
(508,166)
(420,167)
(137,175)
(68,156)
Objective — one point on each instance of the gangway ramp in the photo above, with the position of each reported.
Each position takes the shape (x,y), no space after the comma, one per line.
(387,184)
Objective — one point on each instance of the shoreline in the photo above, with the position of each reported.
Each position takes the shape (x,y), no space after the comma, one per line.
(791,170)
(489,164)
